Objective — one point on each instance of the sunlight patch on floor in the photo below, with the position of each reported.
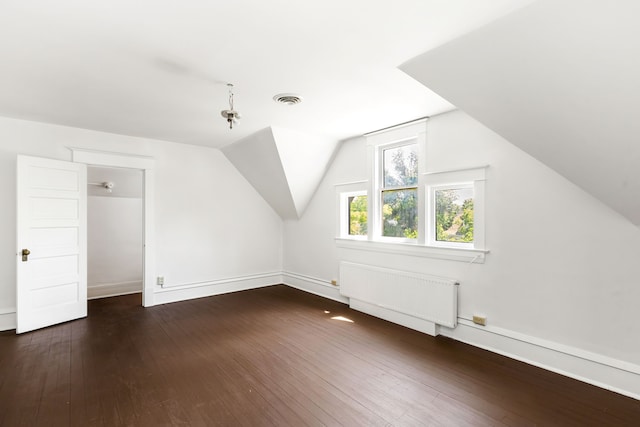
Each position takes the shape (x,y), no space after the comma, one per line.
(342,319)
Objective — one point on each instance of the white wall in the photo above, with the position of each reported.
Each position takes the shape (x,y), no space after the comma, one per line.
(114,244)
(210,222)
(567,95)
(309,246)
(211,225)
(563,267)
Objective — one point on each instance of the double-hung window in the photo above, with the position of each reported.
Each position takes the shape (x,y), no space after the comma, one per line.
(397,191)
(396,211)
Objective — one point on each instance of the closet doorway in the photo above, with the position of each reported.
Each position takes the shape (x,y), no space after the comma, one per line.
(115,231)
(95,158)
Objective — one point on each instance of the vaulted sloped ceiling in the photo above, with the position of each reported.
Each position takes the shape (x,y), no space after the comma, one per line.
(559,79)
(283,165)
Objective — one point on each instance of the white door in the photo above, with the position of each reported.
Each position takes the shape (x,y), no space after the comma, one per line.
(52,242)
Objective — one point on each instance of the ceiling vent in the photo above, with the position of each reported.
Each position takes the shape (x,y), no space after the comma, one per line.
(288,98)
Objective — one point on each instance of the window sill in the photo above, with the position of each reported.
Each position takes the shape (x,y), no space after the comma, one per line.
(453,254)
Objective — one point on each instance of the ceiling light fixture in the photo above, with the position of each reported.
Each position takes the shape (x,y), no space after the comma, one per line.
(231,115)
(288,98)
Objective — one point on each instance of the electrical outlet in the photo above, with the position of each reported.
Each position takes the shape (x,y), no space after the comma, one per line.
(480,320)
(334,282)
(160,280)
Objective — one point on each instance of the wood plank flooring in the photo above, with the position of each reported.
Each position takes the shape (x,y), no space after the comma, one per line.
(275,357)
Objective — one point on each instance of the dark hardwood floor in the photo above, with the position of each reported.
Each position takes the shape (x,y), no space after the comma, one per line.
(275,356)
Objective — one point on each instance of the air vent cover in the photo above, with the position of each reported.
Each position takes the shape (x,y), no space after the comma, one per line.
(288,98)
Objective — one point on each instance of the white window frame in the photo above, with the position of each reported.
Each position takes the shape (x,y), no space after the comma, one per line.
(414,132)
(457,179)
(380,189)
(345,224)
(425,245)
(343,192)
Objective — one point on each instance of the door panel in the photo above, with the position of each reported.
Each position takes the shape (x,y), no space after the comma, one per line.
(48,209)
(52,225)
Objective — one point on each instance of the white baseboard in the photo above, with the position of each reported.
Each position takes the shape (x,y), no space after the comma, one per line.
(602,371)
(189,291)
(392,316)
(313,285)
(105,290)
(7,319)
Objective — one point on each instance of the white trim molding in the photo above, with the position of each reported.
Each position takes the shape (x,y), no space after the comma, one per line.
(602,371)
(313,285)
(453,254)
(7,319)
(105,290)
(99,157)
(187,291)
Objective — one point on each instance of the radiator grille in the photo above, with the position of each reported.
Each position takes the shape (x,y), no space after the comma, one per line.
(423,296)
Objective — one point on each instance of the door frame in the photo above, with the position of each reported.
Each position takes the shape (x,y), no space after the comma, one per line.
(146,165)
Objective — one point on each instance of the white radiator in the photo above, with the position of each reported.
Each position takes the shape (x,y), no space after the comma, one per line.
(431,298)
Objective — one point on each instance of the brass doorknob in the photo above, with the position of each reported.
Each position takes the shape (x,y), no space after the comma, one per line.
(25,254)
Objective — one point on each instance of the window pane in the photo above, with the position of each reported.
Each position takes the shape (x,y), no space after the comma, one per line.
(454,215)
(358,215)
(400,166)
(400,213)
